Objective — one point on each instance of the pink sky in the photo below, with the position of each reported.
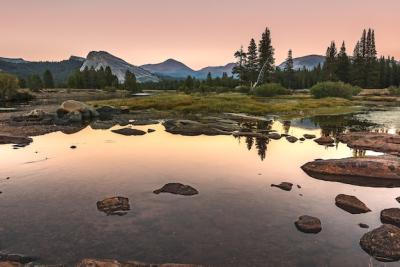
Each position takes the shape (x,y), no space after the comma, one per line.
(199,33)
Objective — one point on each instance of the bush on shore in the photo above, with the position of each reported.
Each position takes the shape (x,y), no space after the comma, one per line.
(270,89)
(8,86)
(334,89)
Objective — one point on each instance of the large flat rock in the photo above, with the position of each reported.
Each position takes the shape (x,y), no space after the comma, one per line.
(373,171)
(114,263)
(380,142)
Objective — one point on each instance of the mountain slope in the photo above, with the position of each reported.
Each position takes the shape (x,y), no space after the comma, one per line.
(309,62)
(216,71)
(98,59)
(61,70)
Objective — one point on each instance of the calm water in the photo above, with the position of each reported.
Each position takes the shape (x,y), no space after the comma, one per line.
(48,206)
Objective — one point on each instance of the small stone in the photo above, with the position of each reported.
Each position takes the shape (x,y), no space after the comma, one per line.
(351,204)
(114,205)
(363,225)
(129,131)
(274,136)
(177,189)
(308,224)
(150,130)
(284,186)
(72,147)
(292,139)
(298,186)
(302,139)
(309,136)
(325,140)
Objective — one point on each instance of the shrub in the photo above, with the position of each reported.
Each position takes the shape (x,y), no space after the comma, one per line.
(394,90)
(271,89)
(8,86)
(243,89)
(334,89)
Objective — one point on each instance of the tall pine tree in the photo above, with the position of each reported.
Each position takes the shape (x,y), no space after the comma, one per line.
(266,55)
(343,65)
(252,62)
(289,71)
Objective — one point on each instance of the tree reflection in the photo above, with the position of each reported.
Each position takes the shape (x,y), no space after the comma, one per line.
(261,145)
(249,142)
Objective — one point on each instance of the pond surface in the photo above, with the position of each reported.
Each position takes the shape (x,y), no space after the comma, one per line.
(48,206)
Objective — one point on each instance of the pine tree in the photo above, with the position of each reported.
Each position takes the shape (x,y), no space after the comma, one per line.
(289,71)
(266,55)
(252,62)
(343,65)
(330,65)
(130,82)
(48,81)
(240,69)
(35,83)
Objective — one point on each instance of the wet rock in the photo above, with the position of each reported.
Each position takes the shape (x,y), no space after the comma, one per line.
(302,139)
(351,204)
(292,139)
(379,142)
(363,225)
(129,131)
(325,140)
(194,128)
(114,205)
(151,130)
(114,263)
(103,125)
(284,186)
(18,140)
(17,258)
(373,171)
(177,189)
(144,122)
(382,243)
(274,136)
(308,224)
(391,216)
(309,136)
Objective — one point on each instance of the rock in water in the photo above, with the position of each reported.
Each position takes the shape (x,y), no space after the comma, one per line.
(309,136)
(382,243)
(284,186)
(308,224)
(274,136)
(372,171)
(177,189)
(363,225)
(325,140)
(114,205)
(18,140)
(292,139)
(129,131)
(114,263)
(380,142)
(391,216)
(351,204)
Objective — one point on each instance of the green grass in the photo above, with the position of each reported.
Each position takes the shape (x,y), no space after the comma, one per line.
(177,103)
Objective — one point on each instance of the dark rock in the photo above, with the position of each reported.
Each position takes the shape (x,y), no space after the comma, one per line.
(144,122)
(292,139)
(309,136)
(308,224)
(23,259)
(114,205)
(18,140)
(72,147)
(382,243)
(274,136)
(363,225)
(302,139)
(391,216)
(151,130)
(351,204)
(103,125)
(398,199)
(369,171)
(325,140)
(114,263)
(194,128)
(178,189)
(298,186)
(129,131)
(284,186)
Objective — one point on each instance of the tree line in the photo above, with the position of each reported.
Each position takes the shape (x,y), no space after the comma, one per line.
(363,68)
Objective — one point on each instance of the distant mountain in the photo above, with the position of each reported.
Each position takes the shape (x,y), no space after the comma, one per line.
(309,62)
(98,59)
(61,70)
(175,69)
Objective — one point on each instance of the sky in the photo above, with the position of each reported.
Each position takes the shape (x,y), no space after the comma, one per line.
(197,32)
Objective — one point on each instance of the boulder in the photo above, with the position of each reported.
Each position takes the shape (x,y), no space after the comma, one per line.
(308,224)
(309,136)
(379,142)
(129,131)
(325,140)
(74,117)
(351,204)
(292,139)
(114,205)
(18,140)
(177,189)
(284,186)
(114,263)
(391,216)
(72,106)
(372,171)
(382,243)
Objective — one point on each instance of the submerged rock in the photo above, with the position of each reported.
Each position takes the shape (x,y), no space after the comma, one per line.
(391,216)
(177,189)
(309,136)
(380,142)
(351,204)
(114,263)
(114,205)
(284,186)
(292,139)
(325,140)
(308,224)
(18,140)
(382,243)
(129,131)
(374,171)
